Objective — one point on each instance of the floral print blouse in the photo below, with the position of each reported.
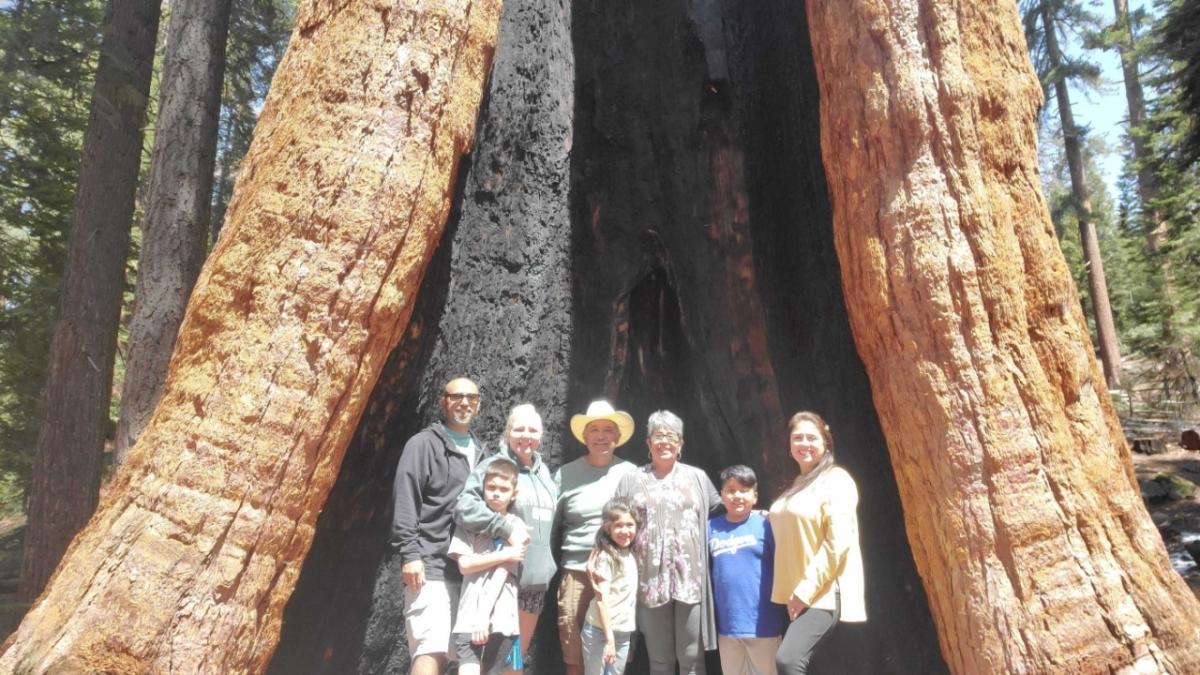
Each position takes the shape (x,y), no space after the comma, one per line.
(671,551)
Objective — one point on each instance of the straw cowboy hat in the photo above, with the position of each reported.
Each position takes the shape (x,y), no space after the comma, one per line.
(603,410)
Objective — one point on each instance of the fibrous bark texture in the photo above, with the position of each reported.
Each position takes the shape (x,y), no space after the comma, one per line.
(65,484)
(189,561)
(347,612)
(507,320)
(178,202)
(497,310)
(1019,498)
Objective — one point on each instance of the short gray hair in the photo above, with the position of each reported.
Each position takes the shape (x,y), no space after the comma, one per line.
(664,420)
(517,411)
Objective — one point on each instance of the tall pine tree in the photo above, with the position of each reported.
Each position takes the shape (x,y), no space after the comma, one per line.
(48,50)
(1042,25)
(65,481)
(1173,125)
(175,229)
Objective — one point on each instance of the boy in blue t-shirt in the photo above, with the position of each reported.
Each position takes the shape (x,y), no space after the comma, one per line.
(742,551)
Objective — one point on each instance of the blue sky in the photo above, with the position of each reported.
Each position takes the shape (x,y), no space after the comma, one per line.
(1104,111)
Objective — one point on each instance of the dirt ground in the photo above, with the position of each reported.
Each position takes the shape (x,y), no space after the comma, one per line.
(1176,519)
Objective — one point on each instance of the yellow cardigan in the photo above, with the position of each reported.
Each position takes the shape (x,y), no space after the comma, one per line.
(816,545)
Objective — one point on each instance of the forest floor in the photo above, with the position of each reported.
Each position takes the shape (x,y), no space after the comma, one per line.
(1178,520)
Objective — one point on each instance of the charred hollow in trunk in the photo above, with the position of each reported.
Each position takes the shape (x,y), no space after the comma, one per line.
(702,279)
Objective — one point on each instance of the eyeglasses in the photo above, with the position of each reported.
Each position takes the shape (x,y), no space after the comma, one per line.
(457,397)
(665,437)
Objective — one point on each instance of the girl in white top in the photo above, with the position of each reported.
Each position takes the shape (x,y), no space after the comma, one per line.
(610,617)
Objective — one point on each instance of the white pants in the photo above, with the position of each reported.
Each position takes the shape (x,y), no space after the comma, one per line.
(429,616)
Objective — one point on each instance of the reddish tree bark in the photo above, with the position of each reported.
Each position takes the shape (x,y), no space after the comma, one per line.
(188,562)
(1019,497)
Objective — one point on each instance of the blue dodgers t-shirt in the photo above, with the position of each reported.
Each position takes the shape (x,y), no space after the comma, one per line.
(743,563)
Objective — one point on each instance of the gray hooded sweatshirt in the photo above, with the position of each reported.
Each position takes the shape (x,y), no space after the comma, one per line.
(536,499)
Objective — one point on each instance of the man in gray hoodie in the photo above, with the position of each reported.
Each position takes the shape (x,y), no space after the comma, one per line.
(432,469)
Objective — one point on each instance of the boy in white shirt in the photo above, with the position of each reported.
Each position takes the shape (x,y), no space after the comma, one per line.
(487,630)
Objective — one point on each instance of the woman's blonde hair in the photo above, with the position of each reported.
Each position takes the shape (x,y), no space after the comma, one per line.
(518,411)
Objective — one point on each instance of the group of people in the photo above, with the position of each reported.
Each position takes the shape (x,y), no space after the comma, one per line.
(654,550)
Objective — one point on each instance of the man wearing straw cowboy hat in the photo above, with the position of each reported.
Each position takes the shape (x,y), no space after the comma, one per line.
(584,486)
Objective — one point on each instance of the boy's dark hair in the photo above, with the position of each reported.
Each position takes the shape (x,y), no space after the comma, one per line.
(501,467)
(742,474)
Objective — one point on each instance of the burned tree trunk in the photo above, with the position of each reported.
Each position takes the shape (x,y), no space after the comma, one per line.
(701,277)
(1019,499)
(705,277)
(507,320)
(189,561)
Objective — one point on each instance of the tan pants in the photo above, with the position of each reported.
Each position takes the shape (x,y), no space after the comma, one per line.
(748,656)
(574,595)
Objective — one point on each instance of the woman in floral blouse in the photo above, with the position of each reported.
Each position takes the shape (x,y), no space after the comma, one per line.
(673,501)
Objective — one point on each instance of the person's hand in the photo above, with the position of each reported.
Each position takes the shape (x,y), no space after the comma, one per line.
(479,637)
(414,574)
(513,553)
(795,606)
(519,535)
(610,653)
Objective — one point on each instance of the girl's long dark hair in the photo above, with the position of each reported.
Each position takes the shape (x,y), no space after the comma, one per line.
(825,463)
(615,508)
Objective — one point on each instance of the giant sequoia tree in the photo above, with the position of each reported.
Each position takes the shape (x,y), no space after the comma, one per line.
(339,206)
(1016,480)
(651,222)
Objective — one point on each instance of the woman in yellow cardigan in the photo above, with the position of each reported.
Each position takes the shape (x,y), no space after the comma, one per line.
(818,564)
